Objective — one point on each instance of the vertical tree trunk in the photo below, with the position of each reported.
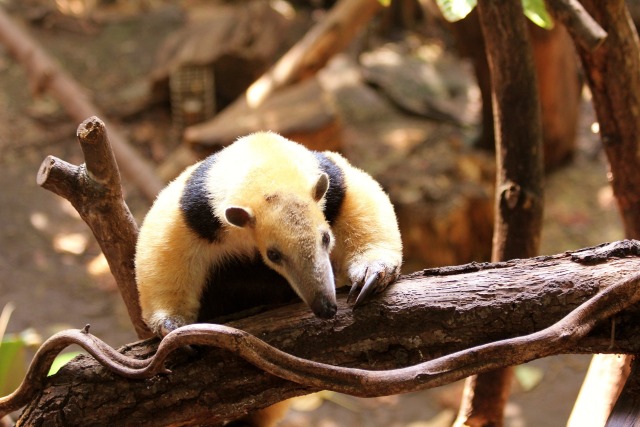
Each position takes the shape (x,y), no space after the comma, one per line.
(519,192)
(613,74)
(558,81)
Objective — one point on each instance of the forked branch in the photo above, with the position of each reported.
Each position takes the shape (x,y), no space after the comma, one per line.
(95,191)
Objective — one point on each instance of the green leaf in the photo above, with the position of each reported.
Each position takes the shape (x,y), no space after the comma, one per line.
(12,364)
(61,360)
(537,13)
(455,10)
(528,376)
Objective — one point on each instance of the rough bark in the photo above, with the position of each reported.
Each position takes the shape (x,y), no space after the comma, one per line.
(558,81)
(95,191)
(585,30)
(518,134)
(303,112)
(519,183)
(418,319)
(613,75)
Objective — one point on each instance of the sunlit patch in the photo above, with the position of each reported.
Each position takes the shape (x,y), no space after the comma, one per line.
(606,199)
(98,266)
(595,127)
(73,243)
(76,7)
(39,221)
(258,91)
(405,138)
(99,270)
(284,8)
(67,208)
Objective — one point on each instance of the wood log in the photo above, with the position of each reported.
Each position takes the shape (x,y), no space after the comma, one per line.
(302,61)
(624,413)
(238,42)
(303,112)
(423,316)
(559,87)
(558,81)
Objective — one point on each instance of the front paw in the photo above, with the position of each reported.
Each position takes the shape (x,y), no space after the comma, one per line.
(162,324)
(371,276)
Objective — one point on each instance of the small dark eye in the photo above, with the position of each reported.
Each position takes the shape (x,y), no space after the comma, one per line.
(326,239)
(274,256)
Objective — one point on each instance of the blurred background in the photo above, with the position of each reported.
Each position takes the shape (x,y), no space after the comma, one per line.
(403,101)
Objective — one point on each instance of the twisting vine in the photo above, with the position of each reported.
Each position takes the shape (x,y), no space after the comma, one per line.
(359,382)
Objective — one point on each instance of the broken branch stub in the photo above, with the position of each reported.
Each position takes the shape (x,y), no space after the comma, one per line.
(94,189)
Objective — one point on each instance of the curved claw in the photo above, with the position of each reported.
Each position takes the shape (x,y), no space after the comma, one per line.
(353,292)
(373,282)
(369,287)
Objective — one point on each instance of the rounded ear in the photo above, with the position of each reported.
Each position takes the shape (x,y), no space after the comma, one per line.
(238,216)
(321,187)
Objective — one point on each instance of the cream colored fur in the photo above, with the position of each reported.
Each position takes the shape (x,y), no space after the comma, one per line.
(172,262)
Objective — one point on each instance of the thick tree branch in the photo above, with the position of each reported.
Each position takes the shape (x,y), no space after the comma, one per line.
(95,191)
(583,28)
(417,320)
(519,182)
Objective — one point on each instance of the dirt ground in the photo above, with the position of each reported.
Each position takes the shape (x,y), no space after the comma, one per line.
(51,269)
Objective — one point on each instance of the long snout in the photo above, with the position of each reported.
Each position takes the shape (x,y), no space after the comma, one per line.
(316,286)
(323,307)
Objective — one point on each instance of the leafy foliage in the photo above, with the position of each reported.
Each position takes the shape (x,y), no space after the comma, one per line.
(61,360)
(537,13)
(455,10)
(12,364)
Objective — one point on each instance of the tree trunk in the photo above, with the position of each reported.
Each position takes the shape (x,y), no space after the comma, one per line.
(519,194)
(558,80)
(613,75)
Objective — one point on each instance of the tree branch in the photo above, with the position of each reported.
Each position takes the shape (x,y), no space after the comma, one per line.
(584,30)
(413,323)
(519,182)
(95,191)
(613,74)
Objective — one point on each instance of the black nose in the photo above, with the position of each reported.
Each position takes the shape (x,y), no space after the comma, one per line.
(324,308)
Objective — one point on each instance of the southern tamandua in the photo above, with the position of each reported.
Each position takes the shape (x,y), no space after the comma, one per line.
(310,216)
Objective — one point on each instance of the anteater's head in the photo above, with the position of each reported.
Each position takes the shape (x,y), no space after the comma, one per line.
(294,238)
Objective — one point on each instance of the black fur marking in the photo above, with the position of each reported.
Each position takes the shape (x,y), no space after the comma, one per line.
(337,187)
(195,203)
